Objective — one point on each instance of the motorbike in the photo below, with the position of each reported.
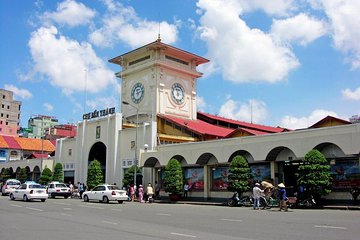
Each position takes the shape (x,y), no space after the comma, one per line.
(236,200)
(307,202)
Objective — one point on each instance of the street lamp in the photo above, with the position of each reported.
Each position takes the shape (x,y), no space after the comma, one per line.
(136,137)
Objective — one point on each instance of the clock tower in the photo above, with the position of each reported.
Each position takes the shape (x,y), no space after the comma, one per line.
(158,79)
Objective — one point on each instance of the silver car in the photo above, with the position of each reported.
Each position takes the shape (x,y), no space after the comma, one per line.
(105,193)
(9,185)
(29,191)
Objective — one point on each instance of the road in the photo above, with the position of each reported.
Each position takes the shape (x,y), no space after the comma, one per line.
(74,219)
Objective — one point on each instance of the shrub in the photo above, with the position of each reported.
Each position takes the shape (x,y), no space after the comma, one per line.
(239,175)
(173,177)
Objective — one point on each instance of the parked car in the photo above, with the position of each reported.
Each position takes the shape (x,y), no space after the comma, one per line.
(29,191)
(9,185)
(105,193)
(55,189)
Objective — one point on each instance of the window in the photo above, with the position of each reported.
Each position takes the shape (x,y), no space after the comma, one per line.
(176,60)
(139,60)
(2,105)
(8,107)
(3,96)
(70,151)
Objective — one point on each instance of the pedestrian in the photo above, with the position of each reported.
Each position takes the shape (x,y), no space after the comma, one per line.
(282,197)
(149,192)
(257,191)
(71,186)
(186,190)
(141,194)
(81,189)
(157,190)
(132,192)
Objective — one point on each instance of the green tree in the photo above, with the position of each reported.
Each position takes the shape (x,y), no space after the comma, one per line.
(173,177)
(23,174)
(95,174)
(6,174)
(129,176)
(46,176)
(239,175)
(58,173)
(314,173)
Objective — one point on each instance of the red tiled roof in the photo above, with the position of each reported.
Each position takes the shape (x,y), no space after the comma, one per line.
(11,142)
(246,125)
(250,131)
(329,119)
(38,155)
(198,126)
(28,144)
(3,143)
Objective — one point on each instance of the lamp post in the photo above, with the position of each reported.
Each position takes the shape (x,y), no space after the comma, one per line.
(136,138)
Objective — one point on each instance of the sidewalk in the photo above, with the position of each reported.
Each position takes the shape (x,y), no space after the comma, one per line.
(218,203)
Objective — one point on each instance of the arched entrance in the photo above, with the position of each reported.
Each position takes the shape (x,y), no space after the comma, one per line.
(98,152)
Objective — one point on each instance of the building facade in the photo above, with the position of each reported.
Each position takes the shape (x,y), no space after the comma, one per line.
(9,114)
(159,121)
(39,126)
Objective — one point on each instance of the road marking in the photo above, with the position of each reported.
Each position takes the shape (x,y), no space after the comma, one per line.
(90,207)
(115,209)
(163,214)
(15,205)
(65,214)
(35,209)
(67,208)
(327,226)
(231,220)
(183,235)
(107,222)
(66,204)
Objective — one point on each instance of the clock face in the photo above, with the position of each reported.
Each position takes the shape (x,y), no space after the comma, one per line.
(137,92)
(178,93)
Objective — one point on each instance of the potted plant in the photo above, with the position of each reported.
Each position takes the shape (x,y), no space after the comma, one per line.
(173,179)
(239,175)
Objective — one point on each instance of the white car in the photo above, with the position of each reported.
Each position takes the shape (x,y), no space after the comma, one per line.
(9,185)
(58,189)
(105,193)
(29,191)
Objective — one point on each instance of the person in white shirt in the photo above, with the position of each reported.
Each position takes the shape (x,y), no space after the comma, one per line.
(149,192)
(256,195)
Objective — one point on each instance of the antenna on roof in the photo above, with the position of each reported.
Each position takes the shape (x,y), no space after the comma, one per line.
(251,111)
(159,39)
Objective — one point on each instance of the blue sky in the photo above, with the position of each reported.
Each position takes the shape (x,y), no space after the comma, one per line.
(290,62)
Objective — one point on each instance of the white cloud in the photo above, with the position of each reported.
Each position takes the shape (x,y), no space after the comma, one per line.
(70,13)
(102,103)
(48,107)
(351,95)
(200,103)
(64,61)
(344,17)
(252,111)
(21,93)
(300,28)
(243,54)
(273,7)
(292,122)
(122,24)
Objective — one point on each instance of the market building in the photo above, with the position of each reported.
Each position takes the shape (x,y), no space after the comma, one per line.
(159,121)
